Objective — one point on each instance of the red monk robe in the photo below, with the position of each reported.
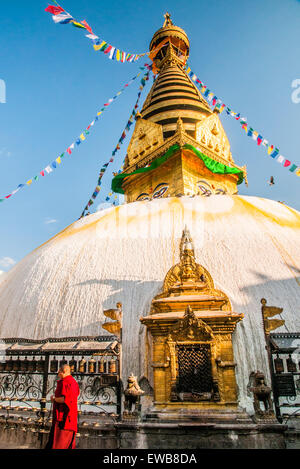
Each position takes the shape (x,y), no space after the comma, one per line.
(64,423)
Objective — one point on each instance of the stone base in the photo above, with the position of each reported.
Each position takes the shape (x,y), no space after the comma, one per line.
(201,430)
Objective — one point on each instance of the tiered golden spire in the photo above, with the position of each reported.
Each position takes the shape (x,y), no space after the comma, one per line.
(176,116)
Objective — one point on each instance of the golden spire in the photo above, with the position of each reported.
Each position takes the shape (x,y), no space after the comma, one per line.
(176,116)
(168,20)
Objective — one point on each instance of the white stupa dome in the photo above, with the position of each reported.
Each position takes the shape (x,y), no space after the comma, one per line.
(249,245)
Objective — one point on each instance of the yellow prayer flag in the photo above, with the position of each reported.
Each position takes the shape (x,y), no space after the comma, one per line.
(29,182)
(98,113)
(118,55)
(82,137)
(98,47)
(58,160)
(298,172)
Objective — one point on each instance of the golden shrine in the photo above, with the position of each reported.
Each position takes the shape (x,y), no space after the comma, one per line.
(178,146)
(191,325)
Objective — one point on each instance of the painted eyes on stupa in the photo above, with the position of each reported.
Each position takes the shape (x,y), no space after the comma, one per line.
(220,191)
(158,192)
(143,196)
(206,190)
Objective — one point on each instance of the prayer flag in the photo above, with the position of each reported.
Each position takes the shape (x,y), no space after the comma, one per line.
(259,139)
(92,36)
(54,10)
(69,151)
(28,182)
(78,25)
(87,26)
(82,137)
(270,149)
(292,168)
(108,49)
(112,53)
(42,173)
(298,171)
(62,18)
(48,169)
(280,159)
(100,46)
(275,153)
(58,160)
(286,163)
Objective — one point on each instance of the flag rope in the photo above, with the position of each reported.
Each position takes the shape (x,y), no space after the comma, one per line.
(120,141)
(49,169)
(219,106)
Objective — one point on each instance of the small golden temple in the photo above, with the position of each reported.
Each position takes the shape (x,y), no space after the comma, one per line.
(191,324)
(178,146)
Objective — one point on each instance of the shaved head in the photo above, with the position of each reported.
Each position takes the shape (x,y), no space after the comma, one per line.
(65,370)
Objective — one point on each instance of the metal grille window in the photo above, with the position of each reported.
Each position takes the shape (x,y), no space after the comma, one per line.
(194,368)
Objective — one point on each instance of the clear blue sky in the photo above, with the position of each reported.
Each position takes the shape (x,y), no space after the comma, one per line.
(247,52)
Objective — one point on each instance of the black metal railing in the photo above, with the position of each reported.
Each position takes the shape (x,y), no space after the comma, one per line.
(28,376)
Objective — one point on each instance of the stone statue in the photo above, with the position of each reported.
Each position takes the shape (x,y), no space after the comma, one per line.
(133,394)
(261,393)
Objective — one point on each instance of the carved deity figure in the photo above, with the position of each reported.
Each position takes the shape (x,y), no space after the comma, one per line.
(133,394)
(261,393)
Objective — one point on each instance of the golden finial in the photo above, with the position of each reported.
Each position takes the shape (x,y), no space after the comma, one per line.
(168,21)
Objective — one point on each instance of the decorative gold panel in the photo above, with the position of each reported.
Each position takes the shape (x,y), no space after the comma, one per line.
(146,137)
(210,134)
(191,316)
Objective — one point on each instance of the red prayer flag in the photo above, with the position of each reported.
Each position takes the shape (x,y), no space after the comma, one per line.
(69,151)
(287,163)
(108,49)
(87,26)
(54,10)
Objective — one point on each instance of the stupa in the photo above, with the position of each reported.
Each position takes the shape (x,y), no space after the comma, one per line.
(189,260)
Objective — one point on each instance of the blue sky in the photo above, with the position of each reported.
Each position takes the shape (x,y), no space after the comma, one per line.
(246,52)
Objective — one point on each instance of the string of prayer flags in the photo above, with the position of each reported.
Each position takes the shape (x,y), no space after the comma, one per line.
(59,15)
(121,139)
(219,106)
(82,137)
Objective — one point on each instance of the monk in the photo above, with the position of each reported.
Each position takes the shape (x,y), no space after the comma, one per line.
(64,422)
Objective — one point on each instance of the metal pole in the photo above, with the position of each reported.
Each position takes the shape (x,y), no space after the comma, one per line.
(271,370)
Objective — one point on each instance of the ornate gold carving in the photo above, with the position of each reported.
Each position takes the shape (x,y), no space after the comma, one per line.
(190,328)
(210,130)
(145,137)
(204,330)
